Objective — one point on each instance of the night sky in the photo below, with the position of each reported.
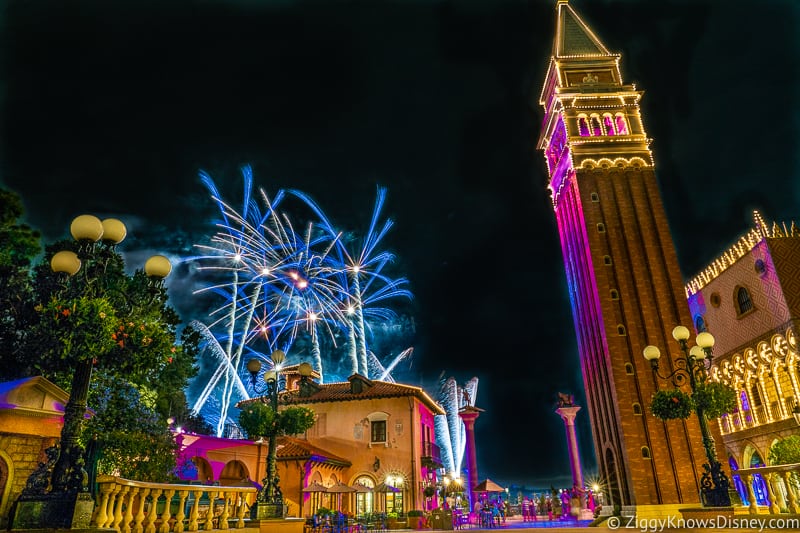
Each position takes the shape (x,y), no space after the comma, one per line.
(113,107)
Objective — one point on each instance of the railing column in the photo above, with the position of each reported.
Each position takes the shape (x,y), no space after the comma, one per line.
(152,515)
(167,514)
(195,510)
(138,523)
(127,520)
(212,496)
(773,505)
(119,500)
(775,483)
(794,507)
(102,515)
(178,527)
(751,494)
(223,517)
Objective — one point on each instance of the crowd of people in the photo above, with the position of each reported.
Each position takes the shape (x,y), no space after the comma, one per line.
(558,505)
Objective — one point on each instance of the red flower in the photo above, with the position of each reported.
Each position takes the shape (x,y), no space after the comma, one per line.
(65,312)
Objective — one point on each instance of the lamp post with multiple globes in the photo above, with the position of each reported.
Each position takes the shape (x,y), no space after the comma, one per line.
(64,501)
(692,366)
(269,503)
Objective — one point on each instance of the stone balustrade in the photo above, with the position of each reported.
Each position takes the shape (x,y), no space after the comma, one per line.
(138,507)
(779,480)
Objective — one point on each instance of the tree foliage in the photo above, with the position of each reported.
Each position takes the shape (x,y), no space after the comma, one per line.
(714,398)
(120,322)
(785,451)
(257,419)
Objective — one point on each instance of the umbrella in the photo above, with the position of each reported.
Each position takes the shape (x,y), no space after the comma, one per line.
(315,489)
(487,485)
(340,488)
(360,487)
(383,487)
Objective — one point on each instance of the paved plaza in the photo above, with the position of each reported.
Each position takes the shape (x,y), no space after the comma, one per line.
(742,523)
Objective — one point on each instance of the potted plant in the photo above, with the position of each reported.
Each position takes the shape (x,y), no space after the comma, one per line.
(414,518)
(671,404)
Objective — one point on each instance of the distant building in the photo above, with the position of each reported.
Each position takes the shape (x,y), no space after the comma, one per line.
(367,433)
(749,299)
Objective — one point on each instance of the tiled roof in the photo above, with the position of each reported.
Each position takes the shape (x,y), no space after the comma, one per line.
(290,449)
(574,36)
(341,392)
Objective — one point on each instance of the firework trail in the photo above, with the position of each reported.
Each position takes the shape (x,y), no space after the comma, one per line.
(366,285)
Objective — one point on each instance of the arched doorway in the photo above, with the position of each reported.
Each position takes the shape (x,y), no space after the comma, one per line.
(234,474)
(204,471)
(365,497)
(759,483)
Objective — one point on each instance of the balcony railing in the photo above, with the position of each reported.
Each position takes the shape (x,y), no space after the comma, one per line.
(431,454)
(134,506)
(781,484)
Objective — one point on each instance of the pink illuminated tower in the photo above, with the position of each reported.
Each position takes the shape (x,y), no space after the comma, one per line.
(624,283)
(470,413)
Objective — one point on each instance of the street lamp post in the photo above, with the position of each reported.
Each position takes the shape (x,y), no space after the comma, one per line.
(714,484)
(67,503)
(269,503)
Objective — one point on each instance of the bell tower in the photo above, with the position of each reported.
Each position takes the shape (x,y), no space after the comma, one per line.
(624,282)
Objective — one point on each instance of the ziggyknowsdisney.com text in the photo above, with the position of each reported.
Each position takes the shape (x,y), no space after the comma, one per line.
(653,525)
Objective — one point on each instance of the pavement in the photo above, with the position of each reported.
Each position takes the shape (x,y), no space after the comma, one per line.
(737,524)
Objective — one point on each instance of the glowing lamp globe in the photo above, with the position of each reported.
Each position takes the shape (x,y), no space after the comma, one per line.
(680,333)
(705,340)
(158,266)
(114,231)
(86,228)
(65,261)
(278,357)
(651,353)
(305,369)
(254,366)
(270,375)
(697,352)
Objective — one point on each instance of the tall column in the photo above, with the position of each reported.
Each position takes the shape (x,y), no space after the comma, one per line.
(568,414)
(469,414)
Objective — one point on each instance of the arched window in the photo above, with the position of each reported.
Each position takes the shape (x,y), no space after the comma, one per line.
(755,394)
(637,409)
(621,330)
(699,323)
(608,122)
(597,130)
(607,260)
(743,301)
(601,228)
(622,126)
(583,126)
(629,369)
(595,197)
(614,294)
(645,452)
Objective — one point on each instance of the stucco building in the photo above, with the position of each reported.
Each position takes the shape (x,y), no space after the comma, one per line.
(367,433)
(31,416)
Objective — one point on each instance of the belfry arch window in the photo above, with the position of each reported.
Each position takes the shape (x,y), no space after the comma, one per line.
(608,123)
(622,125)
(743,301)
(583,126)
(597,129)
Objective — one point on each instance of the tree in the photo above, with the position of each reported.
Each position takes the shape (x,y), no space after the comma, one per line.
(785,451)
(103,322)
(19,245)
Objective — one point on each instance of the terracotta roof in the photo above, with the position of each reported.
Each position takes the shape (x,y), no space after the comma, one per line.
(342,392)
(290,448)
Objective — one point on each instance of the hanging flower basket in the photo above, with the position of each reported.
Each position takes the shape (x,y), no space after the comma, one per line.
(671,404)
(715,399)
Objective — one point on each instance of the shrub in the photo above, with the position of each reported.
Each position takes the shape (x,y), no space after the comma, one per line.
(415,512)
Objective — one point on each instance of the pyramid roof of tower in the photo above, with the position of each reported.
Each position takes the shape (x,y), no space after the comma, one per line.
(573,35)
